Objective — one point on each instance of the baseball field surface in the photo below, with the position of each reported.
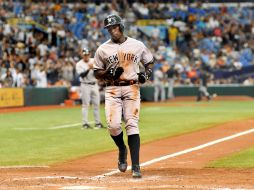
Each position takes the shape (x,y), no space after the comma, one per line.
(185,145)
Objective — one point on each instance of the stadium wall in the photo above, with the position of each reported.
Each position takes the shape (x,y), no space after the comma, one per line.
(13,97)
(45,96)
(147,92)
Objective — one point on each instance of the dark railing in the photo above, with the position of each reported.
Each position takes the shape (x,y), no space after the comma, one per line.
(142,1)
(237,75)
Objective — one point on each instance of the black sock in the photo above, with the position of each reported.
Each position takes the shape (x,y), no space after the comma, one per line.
(119,141)
(134,145)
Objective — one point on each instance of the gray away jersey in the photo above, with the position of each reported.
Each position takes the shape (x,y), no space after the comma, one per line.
(127,55)
(83,66)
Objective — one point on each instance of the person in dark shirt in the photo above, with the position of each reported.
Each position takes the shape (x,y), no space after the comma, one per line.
(171,75)
(202,90)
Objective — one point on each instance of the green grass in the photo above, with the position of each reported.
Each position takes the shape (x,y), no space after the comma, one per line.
(26,138)
(242,159)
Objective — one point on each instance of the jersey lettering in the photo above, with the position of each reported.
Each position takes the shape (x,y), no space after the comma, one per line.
(128,55)
(113,59)
(125,57)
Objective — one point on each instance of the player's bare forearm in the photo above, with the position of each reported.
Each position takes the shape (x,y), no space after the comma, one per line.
(100,74)
(149,64)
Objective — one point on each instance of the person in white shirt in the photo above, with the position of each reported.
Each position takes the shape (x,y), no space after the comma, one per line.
(20,79)
(41,77)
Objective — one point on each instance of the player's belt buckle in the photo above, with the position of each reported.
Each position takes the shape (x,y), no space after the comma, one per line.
(121,83)
(132,82)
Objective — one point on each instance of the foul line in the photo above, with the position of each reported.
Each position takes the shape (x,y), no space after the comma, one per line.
(52,128)
(179,153)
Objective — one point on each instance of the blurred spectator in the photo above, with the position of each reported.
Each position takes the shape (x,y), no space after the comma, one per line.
(41,77)
(171,75)
(7,80)
(67,71)
(48,34)
(248,81)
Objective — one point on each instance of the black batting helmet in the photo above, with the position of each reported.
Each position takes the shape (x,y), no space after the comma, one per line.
(113,20)
(85,51)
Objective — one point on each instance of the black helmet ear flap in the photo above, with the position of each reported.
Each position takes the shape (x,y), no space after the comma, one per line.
(121,27)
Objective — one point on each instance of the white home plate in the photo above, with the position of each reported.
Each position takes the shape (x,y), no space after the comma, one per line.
(80,187)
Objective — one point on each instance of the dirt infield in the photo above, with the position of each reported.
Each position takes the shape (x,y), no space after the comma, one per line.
(180,171)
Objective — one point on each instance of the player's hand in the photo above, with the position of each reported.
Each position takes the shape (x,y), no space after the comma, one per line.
(142,78)
(90,66)
(148,73)
(118,73)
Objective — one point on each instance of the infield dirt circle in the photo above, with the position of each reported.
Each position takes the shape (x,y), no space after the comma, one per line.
(185,171)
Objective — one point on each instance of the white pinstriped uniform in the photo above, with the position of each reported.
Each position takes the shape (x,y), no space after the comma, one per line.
(123,99)
(89,90)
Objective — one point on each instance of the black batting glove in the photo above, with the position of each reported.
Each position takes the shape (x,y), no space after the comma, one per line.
(148,72)
(109,73)
(118,73)
(142,78)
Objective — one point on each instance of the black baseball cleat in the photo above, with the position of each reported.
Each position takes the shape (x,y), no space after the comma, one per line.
(98,126)
(86,126)
(122,160)
(136,171)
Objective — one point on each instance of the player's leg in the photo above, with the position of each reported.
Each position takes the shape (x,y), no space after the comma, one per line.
(85,98)
(170,88)
(204,92)
(156,92)
(95,98)
(131,109)
(162,90)
(113,108)
(207,94)
(199,94)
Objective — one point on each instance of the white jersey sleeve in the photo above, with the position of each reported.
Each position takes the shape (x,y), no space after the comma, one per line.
(98,60)
(146,55)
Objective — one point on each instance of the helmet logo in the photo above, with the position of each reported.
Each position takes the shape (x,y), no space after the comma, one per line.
(111,20)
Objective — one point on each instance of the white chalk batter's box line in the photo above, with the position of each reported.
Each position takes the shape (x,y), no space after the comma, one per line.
(202,187)
(179,153)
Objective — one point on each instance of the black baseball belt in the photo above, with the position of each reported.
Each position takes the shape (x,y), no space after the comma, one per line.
(121,83)
(89,83)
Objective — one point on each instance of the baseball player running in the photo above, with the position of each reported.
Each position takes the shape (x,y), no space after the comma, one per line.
(117,64)
(89,89)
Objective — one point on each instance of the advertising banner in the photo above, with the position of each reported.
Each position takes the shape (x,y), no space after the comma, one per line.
(11,97)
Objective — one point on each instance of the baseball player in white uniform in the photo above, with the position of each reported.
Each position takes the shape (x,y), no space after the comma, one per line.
(159,88)
(117,64)
(89,89)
